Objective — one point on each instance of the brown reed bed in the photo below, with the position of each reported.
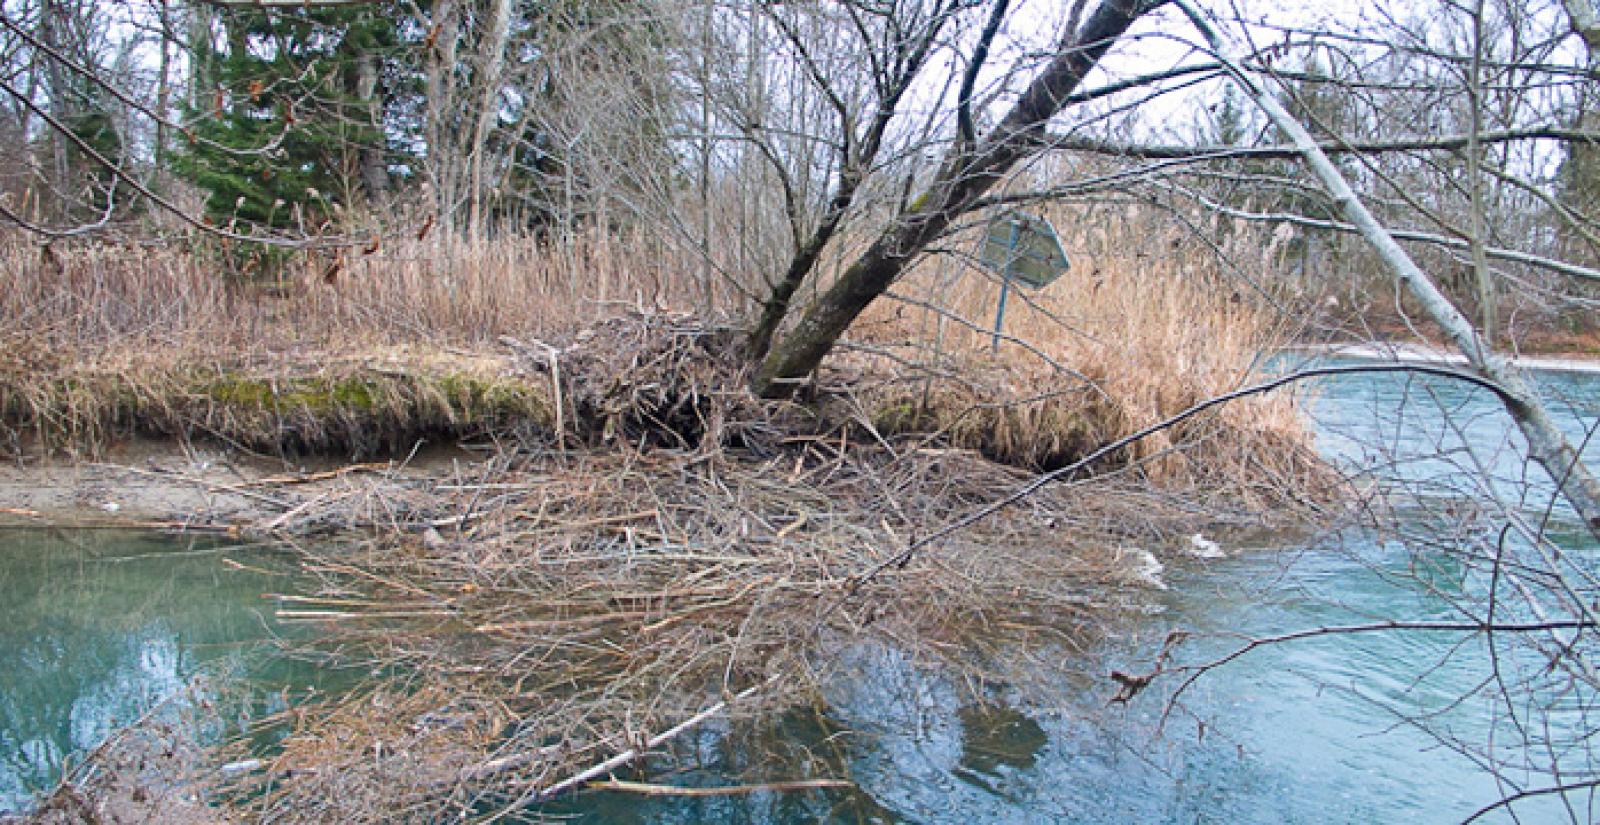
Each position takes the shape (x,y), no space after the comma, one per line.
(1145,324)
(404,340)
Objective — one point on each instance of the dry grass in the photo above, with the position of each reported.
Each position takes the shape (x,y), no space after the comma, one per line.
(101,341)
(1133,333)
(666,538)
(98,296)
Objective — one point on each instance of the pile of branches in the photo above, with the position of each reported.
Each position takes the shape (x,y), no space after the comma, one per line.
(681,545)
(586,602)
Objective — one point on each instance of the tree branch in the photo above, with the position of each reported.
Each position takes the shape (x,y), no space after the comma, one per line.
(1290,151)
(965,131)
(1547,444)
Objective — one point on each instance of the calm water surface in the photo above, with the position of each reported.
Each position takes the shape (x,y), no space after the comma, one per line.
(95,628)
(1310,732)
(98,627)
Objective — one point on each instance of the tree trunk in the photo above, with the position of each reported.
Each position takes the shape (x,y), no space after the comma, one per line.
(439,79)
(491,61)
(374,172)
(202,55)
(963,178)
(163,82)
(51,24)
(1547,445)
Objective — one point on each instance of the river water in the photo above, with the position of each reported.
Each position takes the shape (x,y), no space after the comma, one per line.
(1358,727)
(97,628)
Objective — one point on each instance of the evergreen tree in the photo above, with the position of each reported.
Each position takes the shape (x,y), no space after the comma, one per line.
(97,131)
(281,127)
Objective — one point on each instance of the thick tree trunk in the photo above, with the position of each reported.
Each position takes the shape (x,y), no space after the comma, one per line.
(965,176)
(805,259)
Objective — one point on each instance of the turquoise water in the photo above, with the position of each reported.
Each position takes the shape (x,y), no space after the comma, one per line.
(1415,431)
(96,628)
(1367,727)
(1361,727)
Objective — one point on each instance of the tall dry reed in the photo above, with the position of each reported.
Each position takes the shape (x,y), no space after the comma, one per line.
(439,289)
(1145,323)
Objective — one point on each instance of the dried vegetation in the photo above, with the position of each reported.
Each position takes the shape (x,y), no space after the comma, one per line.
(546,613)
(646,539)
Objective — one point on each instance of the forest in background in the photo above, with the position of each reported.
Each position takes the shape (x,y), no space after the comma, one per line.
(745,142)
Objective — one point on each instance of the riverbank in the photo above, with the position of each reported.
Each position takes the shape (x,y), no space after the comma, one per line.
(156,484)
(660,540)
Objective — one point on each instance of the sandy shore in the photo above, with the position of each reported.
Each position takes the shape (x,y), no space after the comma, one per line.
(161,484)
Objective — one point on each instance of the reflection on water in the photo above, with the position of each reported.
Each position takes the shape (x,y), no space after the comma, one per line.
(1310,732)
(996,739)
(91,634)
(1302,733)
(98,627)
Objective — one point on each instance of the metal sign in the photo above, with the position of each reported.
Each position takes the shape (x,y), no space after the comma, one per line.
(1024,248)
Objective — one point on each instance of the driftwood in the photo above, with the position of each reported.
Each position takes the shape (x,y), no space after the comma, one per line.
(632,755)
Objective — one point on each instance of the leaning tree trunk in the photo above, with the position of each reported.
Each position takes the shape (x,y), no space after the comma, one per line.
(1547,444)
(965,176)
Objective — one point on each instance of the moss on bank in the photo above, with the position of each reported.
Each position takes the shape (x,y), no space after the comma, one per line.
(355,410)
(657,381)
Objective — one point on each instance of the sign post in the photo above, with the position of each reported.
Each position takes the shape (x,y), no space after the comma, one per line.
(1025,249)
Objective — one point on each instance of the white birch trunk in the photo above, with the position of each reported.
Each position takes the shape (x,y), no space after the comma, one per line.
(1547,444)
